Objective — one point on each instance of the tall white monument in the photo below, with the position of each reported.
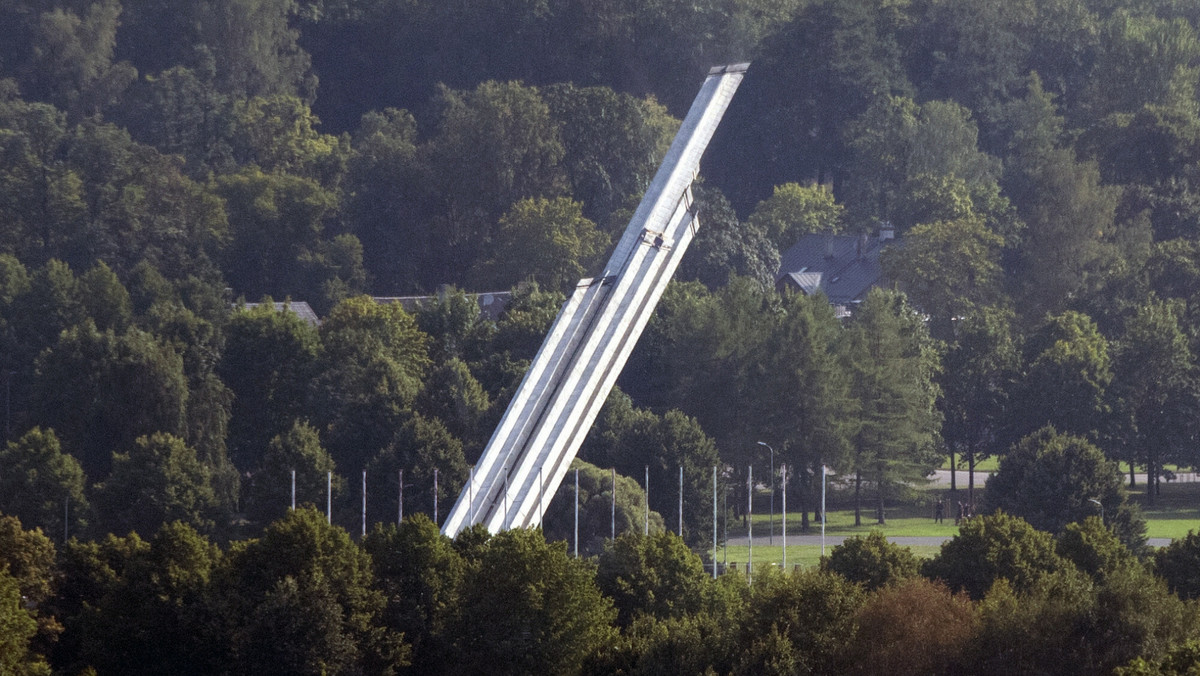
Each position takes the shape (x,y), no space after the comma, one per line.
(590,341)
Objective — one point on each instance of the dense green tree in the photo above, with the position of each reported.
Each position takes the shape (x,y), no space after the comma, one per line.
(657,576)
(724,248)
(720,330)
(388,200)
(794,210)
(179,111)
(420,574)
(612,145)
(526,605)
(800,388)
(155,617)
(253,47)
(1156,391)
(42,201)
(1050,480)
(41,485)
(100,391)
(871,561)
(813,611)
(269,491)
(88,570)
(1094,548)
(140,206)
(369,373)
(333,271)
(548,241)
(27,563)
(916,164)
(600,512)
(893,363)
(29,557)
(458,400)
(105,300)
(1179,564)
(419,446)
(72,61)
(51,306)
(495,145)
(522,328)
(975,52)
(278,134)
(1026,129)
(1080,627)
(818,71)
(276,222)
(1070,222)
(17,628)
(269,358)
(1142,60)
(1179,660)
(156,481)
(200,342)
(456,325)
(978,379)
(14,282)
(639,443)
(948,268)
(993,547)
(1069,368)
(301,599)
(1029,627)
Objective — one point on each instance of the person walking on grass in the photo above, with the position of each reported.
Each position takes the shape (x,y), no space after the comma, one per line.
(939,509)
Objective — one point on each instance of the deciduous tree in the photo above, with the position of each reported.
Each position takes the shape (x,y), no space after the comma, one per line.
(156,481)
(41,485)
(871,561)
(993,547)
(1050,480)
(546,240)
(526,605)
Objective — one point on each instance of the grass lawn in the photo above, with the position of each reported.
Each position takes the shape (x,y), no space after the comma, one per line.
(989,464)
(902,520)
(1175,511)
(804,556)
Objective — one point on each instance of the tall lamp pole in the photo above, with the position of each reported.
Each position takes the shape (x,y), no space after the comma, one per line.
(1099,504)
(771,522)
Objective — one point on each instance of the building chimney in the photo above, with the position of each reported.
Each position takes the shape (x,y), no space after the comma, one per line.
(886,231)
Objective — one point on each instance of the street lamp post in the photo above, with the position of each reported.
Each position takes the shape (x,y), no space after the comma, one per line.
(1099,504)
(771,522)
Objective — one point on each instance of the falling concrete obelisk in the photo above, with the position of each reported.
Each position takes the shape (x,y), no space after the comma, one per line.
(593,336)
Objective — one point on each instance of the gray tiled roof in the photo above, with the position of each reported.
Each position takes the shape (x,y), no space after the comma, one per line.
(845,267)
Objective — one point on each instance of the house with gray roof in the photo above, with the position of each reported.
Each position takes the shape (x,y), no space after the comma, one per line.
(843,267)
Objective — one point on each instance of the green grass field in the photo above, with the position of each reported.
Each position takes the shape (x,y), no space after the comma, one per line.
(1176,511)
(900,520)
(797,555)
(989,464)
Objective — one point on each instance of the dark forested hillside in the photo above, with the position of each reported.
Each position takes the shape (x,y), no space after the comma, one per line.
(165,167)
